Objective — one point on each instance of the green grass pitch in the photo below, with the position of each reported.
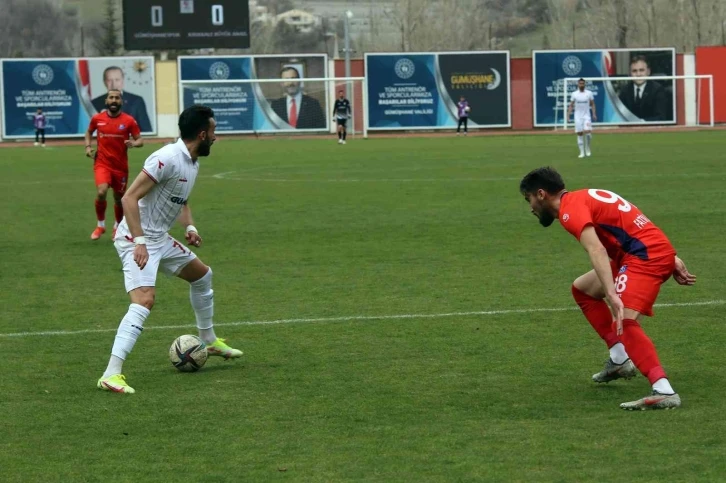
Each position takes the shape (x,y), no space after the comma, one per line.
(405,278)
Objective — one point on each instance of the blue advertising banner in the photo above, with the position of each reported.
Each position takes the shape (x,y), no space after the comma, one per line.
(422,90)
(70,91)
(286,103)
(614,99)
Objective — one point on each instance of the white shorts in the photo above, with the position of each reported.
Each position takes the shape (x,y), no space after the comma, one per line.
(167,255)
(583,123)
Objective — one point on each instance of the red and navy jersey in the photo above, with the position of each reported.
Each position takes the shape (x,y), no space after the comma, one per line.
(621,227)
(113,132)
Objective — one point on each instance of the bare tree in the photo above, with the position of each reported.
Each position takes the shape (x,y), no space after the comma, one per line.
(36,28)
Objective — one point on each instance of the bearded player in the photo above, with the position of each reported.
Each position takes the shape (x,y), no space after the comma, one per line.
(631,259)
(157,199)
(117,132)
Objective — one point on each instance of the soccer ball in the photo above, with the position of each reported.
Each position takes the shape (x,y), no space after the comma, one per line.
(467,109)
(188,353)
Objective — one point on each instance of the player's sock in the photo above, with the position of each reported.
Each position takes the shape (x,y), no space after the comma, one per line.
(340,135)
(345,135)
(202,298)
(588,140)
(642,351)
(598,314)
(128,331)
(101,212)
(118,212)
(581,144)
(663,386)
(618,354)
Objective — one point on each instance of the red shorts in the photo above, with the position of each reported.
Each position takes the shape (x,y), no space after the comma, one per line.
(116,179)
(638,282)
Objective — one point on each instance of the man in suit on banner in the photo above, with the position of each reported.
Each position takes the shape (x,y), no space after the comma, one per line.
(646,99)
(134,106)
(297,109)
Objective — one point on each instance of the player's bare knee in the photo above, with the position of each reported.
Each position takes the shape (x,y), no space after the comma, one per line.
(101,192)
(590,284)
(144,296)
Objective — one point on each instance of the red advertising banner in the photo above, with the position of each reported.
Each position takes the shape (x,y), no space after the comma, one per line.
(710,60)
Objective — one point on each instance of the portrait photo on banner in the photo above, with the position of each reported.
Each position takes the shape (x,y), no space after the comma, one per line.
(293,102)
(133,76)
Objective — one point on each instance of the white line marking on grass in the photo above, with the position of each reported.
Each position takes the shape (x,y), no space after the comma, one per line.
(349,318)
(226,176)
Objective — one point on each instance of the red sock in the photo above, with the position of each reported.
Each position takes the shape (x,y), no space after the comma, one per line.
(118,210)
(100,209)
(641,350)
(598,314)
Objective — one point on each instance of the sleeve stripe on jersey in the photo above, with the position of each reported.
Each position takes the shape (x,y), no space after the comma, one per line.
(149,175)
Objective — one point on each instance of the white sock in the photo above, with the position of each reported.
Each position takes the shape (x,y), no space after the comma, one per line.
(618,354)
(581,143)
(663,386)
(128,331)
(202,297)
(102,224)
(588,140)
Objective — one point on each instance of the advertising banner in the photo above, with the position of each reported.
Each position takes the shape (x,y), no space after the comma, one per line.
(616,101)
(243,104)
(421,90)
(71,91)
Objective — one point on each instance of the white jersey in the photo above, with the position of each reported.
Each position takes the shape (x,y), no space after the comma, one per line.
(582,102)
(174,173)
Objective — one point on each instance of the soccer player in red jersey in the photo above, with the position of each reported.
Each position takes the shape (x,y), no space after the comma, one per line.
(631,259)
(117,132)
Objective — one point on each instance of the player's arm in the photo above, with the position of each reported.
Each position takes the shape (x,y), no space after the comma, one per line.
(601,263)
(594,112)
(570,107)
(136,141)
(88,136)
(349,110)
(681,274)
(130,202)
(186,220)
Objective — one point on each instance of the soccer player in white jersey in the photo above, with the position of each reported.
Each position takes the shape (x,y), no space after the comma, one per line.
(156,199)
(582,101)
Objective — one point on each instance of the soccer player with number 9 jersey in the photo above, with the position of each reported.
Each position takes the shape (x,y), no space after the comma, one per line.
(631,259)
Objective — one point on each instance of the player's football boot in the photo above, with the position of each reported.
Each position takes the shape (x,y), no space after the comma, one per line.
(655,401)
(97,233)
(612,371)
(115,383)
(582,155)
(219,348)
(588,153)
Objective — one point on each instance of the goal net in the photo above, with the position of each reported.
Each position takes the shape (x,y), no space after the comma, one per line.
(277,106)
(682,100)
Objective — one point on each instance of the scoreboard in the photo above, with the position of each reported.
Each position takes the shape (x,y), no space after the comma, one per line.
(186,24)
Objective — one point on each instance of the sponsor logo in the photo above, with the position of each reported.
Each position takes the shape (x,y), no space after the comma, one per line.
(623,269)
(178,200)
(43,74)
(404,68)
(477,80)
(219,71)
(182,180)
(161,165)
(121,126)
(572,65)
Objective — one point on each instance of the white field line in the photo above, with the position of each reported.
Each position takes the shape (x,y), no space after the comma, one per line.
(230,176)
(349,318)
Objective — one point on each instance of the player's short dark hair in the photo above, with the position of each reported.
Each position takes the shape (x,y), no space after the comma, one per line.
(109,69)
(120,94)
(639,58)
(580,80)
(194,120)
(545,178)
(292,68)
